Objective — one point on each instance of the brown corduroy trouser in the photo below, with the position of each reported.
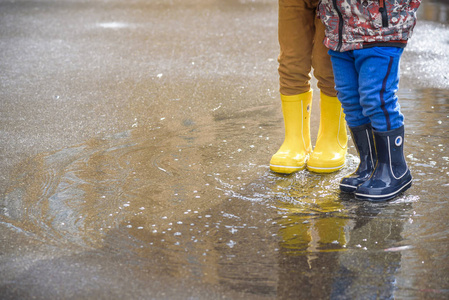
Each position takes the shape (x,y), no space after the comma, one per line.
(301,36)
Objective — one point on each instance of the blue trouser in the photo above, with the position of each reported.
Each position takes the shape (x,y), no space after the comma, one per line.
(366,81)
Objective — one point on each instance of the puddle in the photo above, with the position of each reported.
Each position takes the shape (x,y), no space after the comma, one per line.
(196,200)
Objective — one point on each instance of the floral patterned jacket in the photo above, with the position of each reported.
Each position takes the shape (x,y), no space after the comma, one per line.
(358,24)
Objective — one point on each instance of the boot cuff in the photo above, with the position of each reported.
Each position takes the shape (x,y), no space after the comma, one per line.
(361,127)
(392,132)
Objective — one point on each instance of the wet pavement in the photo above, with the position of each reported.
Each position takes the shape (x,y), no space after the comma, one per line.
(135,138)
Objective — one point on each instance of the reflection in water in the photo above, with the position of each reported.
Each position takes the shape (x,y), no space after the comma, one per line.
(194,201)
(325,242)
(313,230)
(311,224)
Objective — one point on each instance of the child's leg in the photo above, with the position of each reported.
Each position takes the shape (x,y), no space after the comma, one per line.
(347,85)
(296,29)
(321,63)
(378,70)
(378,82)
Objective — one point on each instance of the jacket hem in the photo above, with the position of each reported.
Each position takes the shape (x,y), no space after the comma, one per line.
(396,44)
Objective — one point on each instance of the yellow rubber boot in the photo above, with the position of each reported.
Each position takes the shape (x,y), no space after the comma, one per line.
(292,155)
(330,150)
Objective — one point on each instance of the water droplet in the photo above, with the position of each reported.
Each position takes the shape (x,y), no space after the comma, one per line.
(231,244)
(113,25)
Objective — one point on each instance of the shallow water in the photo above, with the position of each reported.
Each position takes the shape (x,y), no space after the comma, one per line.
(180,201)
(197,201)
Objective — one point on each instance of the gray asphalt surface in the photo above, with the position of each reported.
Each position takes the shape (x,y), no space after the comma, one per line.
(83,79)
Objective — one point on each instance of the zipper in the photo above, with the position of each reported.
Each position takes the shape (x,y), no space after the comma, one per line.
(383,12)
(340,25)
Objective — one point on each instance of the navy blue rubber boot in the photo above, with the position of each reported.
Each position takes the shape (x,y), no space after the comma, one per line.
(362,136)
(391,175)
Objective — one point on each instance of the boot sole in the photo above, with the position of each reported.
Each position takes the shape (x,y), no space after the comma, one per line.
(325,169)
(380,198)
(345,188)
(285,169)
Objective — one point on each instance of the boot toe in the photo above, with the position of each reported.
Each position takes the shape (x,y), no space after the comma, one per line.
(287,164)
(347,188)
(326,163)
(350,183)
